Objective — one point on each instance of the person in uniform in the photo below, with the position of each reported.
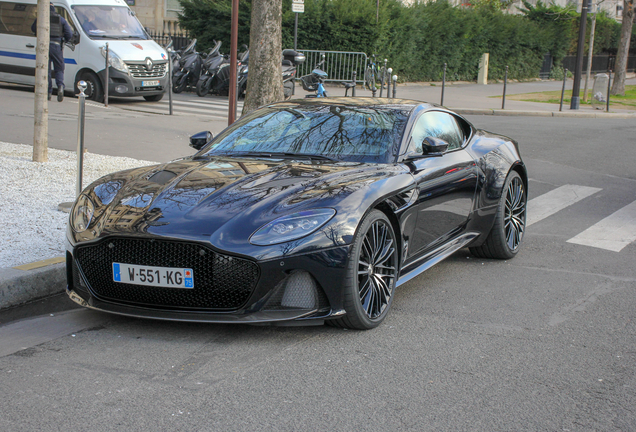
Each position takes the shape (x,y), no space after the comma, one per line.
(60,32)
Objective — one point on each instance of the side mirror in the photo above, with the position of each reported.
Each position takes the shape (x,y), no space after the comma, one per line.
(433,145)
(76,38)
(200,139)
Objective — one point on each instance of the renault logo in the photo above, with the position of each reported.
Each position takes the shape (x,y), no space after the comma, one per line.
(148,64)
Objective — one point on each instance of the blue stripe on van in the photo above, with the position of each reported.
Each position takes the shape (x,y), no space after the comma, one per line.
(30,56)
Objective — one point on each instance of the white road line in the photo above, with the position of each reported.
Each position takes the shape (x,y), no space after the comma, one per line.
(202,102)
(556,200)
(612,233)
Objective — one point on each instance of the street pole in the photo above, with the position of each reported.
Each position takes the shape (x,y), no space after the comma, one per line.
(576,86)
(231,116)
(296,32)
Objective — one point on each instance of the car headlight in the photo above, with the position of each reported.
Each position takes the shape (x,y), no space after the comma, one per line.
(291,227)
(82,214)
(114,60)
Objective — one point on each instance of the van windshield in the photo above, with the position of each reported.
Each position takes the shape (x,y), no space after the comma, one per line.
(109,22)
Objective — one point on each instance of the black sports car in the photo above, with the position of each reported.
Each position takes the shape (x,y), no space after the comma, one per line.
(301,212)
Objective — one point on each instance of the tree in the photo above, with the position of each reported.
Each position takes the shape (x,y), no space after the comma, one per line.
(41,107)
(265,77)
(618,88)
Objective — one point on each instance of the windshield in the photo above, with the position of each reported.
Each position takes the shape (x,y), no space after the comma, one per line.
(347,133)
(109,22)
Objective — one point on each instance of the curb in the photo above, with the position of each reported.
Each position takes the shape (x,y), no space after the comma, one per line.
(19,286)
(570,114)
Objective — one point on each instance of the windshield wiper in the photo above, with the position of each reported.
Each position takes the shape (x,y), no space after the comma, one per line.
(276,155)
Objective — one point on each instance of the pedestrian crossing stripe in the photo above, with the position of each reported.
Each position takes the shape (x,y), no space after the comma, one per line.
(613,233)
(556,200)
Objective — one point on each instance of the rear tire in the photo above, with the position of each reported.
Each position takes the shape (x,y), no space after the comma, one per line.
(288,89)
(371,274)
(504,239)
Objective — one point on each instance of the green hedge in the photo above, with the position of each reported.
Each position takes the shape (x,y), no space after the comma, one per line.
(417,39)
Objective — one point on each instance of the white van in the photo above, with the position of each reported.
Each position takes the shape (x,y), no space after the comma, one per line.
(138,65)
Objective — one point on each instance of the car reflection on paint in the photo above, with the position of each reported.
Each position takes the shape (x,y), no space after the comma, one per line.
(301,212)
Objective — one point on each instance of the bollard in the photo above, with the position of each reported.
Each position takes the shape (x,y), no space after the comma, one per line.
(388,82)
(353,89)
(80,134)
(443,85)
(395,77)
(565,76)
(383,78)
(503,101)
(106,79)
(170,82)
(609,86)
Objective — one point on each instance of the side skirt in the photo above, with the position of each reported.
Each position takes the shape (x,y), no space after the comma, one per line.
(438,255)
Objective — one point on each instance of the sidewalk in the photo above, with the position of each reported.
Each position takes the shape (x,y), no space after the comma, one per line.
(115,131)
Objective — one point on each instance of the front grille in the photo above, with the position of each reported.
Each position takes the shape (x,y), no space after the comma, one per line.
(221,282)
(139,70)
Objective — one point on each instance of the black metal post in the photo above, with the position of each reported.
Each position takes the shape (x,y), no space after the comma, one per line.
(503,101)
(388,83)
(395,77)
(565,77)
(106,79)
(296,32)
(609,86)
(576,86)
(353,89)
(441,102)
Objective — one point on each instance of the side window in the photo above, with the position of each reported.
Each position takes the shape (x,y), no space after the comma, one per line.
(439,125)
(64,14)
(17,18)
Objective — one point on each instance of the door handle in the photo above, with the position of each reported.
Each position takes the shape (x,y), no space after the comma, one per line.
(30,46)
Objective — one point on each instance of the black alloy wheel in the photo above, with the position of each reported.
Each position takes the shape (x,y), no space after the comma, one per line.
(372,269)
(506,235)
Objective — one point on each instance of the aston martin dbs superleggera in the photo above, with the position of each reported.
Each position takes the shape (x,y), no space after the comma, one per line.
(301,212)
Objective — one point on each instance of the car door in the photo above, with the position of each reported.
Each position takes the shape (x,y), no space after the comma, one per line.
(445,182)
(17,42)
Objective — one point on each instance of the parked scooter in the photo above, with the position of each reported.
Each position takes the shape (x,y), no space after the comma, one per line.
(313,81)
(290,62)
(211,65)
(189,69)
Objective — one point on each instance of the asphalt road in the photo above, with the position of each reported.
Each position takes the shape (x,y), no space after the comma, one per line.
(543,342)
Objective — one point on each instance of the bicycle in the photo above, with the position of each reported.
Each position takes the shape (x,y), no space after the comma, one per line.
(374,73)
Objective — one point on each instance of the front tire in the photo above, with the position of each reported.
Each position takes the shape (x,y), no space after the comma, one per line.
(203,86)
(154,98)
(94,89)
(371,274)
(288,89)
(179,83)
(504,239)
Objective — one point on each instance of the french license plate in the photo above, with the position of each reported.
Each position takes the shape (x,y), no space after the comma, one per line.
(149,83)
(166,277)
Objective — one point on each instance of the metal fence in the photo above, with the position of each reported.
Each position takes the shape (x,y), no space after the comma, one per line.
(181,40)
(339,65)
(600,63)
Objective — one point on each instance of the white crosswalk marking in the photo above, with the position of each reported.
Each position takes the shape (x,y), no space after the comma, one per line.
(612,233)
(556,200)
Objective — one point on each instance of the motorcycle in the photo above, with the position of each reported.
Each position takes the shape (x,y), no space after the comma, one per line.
(290,62)
(213,64)
(189,69)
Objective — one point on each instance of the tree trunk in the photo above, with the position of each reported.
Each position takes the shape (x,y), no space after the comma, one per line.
(265,77)
(618,87)
(41,108)
(590,55)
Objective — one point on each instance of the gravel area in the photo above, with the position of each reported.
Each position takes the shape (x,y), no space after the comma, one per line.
(31,226)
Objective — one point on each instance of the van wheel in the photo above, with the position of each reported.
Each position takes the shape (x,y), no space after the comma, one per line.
(154,98)
(93,90)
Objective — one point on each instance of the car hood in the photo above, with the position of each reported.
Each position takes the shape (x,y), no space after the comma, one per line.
(138,50)
(194,199)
